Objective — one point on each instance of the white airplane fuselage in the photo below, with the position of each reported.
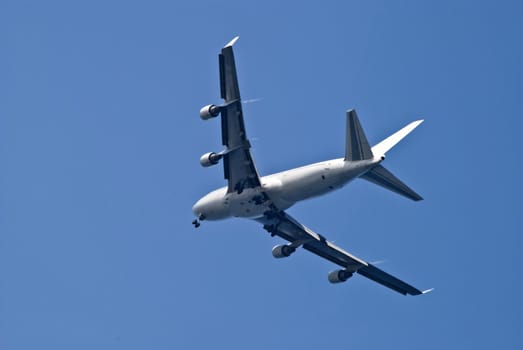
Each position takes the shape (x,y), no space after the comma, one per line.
(284,189)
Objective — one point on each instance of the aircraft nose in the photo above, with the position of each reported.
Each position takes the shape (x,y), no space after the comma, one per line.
(210,206)
(197,208)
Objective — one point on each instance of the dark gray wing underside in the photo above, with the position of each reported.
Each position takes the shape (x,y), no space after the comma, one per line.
(383,278)
(283,225)
(239,167)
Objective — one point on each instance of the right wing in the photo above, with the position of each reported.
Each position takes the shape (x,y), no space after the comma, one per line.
(286,227)
(239,168)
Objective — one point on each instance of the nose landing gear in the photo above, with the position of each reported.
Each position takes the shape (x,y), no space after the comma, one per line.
(197,222)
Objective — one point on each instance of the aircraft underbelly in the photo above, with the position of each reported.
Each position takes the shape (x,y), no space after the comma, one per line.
(249,203)
(280,191)
(314,181)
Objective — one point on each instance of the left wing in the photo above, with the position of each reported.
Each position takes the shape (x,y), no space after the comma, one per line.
(239,168)
(283,225)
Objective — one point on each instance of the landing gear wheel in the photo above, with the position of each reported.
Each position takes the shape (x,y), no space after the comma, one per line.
(196,223)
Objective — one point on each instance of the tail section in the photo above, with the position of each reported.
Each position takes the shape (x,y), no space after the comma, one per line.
(356,147)
(384,178)
(381,148)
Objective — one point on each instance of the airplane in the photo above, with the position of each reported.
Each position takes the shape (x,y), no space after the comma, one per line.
(265,199)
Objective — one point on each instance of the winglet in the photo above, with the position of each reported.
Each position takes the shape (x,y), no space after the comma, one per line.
(231,43)
(427,291)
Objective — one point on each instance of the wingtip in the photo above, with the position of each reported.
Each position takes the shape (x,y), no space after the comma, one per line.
(231,43)
(427,291)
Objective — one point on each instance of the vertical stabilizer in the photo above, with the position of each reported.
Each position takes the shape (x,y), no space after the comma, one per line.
(356,147)
(381,148)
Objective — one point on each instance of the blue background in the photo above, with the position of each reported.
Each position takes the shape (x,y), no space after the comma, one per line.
(99,145)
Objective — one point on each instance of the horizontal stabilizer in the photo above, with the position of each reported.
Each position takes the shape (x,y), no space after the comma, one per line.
(384,178)
(356,147)
(381,148)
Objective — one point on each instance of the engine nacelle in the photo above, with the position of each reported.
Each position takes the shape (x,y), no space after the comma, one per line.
(282,251)
(210,159)
(339,276)
(209,111)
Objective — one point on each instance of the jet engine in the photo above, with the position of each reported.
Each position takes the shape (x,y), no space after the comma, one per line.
(210,159)
(282,251)
(339,276)
(209,111)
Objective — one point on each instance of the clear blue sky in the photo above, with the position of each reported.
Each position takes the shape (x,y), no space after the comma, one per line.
(99,145)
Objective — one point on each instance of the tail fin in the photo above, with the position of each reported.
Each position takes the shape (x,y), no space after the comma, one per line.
(381,148)
(384,178)
(356,147)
